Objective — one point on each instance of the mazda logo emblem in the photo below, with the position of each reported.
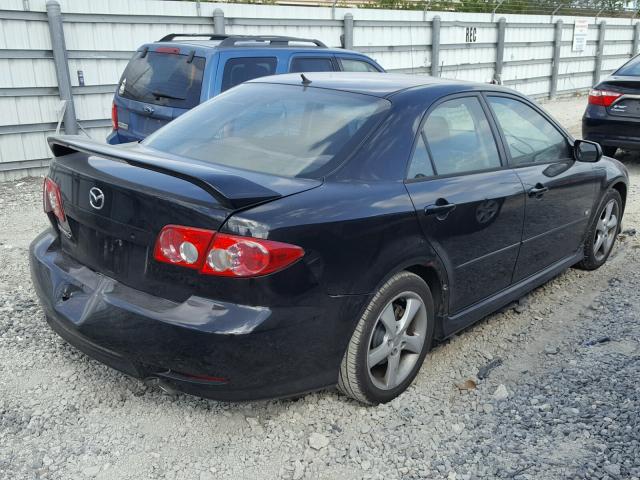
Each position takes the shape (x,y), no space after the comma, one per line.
(96,198)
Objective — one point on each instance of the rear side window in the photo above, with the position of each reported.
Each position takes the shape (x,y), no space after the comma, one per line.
(420,166)
(240,70)
(311,64)
(631,68)
(350,65)
(163,79)
(459,137)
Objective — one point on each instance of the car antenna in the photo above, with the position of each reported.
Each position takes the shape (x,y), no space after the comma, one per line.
(305,80)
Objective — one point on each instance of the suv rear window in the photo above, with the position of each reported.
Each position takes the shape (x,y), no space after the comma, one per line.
(286,130)
(240,70)
(163,79)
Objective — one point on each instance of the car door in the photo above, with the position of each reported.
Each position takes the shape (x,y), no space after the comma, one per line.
(470,206)
(560,191)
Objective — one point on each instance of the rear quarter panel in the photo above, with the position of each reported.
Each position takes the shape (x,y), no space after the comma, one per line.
(355,235)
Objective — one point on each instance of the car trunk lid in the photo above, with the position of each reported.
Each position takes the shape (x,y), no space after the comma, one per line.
(118,198)
(628,105)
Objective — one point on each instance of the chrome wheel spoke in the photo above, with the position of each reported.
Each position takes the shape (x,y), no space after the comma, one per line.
(412,307)
(412,343)
(612,223)
(598,244)
(378,354)
(388,319)
(600,226)
(608,210)
(391,375)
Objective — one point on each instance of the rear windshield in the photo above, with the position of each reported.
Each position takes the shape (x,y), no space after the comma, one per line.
(285,130)
(163,79)
(631,68)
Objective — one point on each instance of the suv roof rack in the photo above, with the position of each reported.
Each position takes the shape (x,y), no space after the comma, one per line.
(209,36)
(232,40)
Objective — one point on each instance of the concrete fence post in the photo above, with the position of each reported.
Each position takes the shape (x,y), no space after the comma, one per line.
(555,62)
(597,71)
(218,21)
(502,26)
(54,17)
(435,46)
(636,38)
(347,41)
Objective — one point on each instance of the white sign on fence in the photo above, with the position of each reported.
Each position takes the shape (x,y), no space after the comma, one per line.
(580,32)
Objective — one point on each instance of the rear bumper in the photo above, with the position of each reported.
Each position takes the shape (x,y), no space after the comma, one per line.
(599,126)
(246,352)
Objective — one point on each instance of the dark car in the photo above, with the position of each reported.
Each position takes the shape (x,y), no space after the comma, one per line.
(612,117)
(165,79)
(299,232)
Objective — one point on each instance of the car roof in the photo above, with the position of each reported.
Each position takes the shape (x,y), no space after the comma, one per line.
(373,83)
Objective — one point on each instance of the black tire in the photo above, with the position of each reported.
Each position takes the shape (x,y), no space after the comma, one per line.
(609,151)
(592,260)
(355,379)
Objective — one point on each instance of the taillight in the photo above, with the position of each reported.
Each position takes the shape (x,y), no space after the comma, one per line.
(172,50)
(183,246)
(603,98)
(114,116)
(52,199)
(222,254)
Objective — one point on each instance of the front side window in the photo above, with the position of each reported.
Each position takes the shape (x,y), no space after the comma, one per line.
(350,65)
(240,70)
(459,138)
(165,79)
(530,137)
(311,64)
(285,130)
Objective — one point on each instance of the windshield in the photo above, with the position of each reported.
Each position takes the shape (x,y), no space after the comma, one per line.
(631,68)
(285,130)
(163,79)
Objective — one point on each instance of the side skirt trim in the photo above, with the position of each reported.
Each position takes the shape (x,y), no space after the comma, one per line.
(475,312)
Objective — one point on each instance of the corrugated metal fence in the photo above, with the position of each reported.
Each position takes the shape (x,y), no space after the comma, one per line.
(532,54)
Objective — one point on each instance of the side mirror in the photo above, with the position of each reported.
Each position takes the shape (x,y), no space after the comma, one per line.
(586,151)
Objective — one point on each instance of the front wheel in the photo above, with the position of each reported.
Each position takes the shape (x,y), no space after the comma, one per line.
(390,341)
(602,232)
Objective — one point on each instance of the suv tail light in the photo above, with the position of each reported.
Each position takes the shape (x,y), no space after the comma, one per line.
(114,116)
(603,98)
(52,199)
(222,254)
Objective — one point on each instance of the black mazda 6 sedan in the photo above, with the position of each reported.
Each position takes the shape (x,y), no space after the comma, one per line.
(303,231)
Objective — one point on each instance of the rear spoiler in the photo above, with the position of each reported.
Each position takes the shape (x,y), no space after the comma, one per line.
(230,189)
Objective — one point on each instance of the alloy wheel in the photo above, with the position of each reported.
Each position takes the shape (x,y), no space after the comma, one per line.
(606,230)
(396,341)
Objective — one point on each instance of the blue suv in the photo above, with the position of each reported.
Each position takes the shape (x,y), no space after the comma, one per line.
(165,79)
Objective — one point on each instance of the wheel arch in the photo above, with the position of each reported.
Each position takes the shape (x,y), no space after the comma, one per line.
(621,188)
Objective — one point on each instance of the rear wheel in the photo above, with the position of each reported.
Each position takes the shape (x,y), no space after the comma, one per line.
(602,232)
(390,341)
(609,151)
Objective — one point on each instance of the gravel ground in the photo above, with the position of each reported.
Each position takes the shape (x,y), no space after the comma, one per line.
(548,389)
